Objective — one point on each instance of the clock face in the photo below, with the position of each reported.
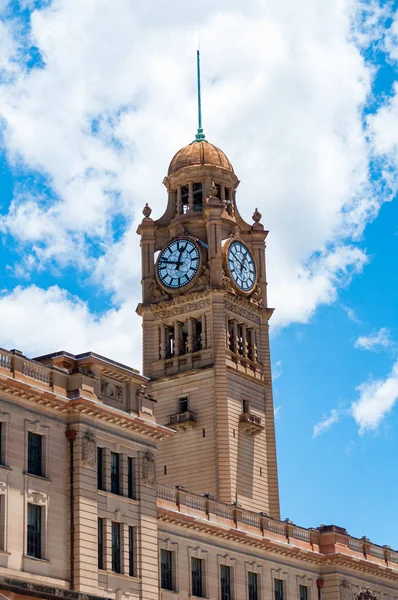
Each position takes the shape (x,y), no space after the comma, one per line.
(178,263)
(241,266)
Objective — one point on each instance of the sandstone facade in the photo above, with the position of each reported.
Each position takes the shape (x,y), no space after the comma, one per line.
(121,486)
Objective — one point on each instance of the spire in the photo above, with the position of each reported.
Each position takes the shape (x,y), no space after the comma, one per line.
(200,135)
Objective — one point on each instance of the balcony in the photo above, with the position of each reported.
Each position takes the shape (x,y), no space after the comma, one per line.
(184,420)
(250,424)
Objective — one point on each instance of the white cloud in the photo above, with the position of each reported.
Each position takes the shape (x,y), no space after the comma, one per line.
(374,341)
(376,400)
(39,321)
(326,423)
(351,314)
(277,370)
(283,89)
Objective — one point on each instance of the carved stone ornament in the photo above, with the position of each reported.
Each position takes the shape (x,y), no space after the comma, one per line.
(256,216)
(235,232)
(156,291)
(148,469)
(111,390)
(204,279)
(179,309)
(366,595)
(213,191)
(89,450)
(179,230)
(346,592)
(147,210)
(256,295)
(226,283)
(243,312)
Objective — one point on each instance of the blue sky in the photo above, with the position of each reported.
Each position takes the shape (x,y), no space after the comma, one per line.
(96,97)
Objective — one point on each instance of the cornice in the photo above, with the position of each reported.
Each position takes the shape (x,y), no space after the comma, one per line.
(83,406)
(236,535)
(293,552)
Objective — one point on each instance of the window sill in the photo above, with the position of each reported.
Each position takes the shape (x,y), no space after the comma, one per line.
(123,575)
(39,560)
(5,467)
(41,477)
(105,493)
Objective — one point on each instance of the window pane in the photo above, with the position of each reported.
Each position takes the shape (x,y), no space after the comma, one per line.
(1,444)
(100,468)
(303,592)
(183,405)
(131,551)
(252,586)
(100,543)
(115,473)
(131,479)
(278,589)
(166,569)
(34,453)
(116,547)
(225,577)
(34,531)
(197,577)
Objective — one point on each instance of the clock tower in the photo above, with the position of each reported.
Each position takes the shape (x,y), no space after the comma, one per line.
(205,334)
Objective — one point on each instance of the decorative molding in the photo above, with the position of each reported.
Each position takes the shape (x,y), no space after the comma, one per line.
(244,311)
(148,469)
(89,450)
(346,592)
(366,594)
(178,308)
(111,391)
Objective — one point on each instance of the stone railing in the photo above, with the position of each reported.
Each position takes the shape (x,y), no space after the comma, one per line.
(323,540)
(244,364)
(19,365)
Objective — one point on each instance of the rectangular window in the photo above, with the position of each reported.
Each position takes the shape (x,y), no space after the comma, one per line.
(225,582)
(116,553)
(166,570)
(115,473)
(252,586)
(183,405)
(100,468)
(303,592)
(35,454)
(197,577)
(131,551)
(278,589)
(2,461)
(131,483)
(2,522)
(100,543)
(33,547)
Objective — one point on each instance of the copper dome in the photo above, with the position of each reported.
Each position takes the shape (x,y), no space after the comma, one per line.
(199,153)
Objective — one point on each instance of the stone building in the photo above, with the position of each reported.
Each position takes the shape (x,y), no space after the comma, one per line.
(164,485)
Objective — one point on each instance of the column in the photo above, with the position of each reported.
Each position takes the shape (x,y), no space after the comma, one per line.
(190,336)
(107,469)
(107,544)
(253,345)
(176,338)
(190,195)
(235,338)
(203,335)
(179,200)
(228,338)
(123,474)
(244,340)
(124,550)
(162,342)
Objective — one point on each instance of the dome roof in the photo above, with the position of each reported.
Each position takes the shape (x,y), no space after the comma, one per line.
(199,153)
